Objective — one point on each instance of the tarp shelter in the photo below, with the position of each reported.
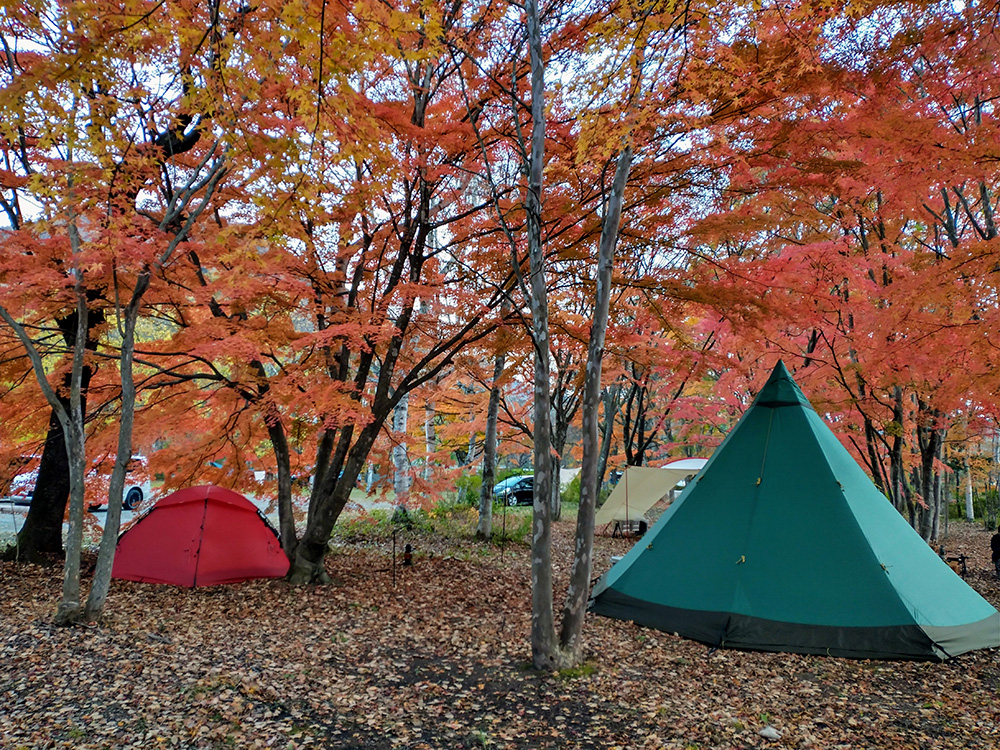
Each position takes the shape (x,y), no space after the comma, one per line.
(200,536)
(784,544)
(640,488)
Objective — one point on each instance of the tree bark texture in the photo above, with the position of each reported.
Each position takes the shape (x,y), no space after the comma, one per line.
(400,456)
(970,513)
(286,517)
(484,530)
(544,645)
(430,440)
(101,583)
(571,635)
(611,400)
(40,539)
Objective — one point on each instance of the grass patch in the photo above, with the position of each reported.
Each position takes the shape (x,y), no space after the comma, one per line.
(451,521)
(574,673)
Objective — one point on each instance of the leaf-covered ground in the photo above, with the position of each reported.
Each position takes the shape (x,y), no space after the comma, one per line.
(439,660)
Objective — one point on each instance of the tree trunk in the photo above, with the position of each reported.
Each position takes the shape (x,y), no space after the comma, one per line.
(470,453)
(70,609)
(940,503)
(40,539)
(930,438)
(323,451)
(400,458)
(430,440)
(101,583)
(286,516)
(334,493)
(970,512)
(72,422)
(611,400)
(484,530)
(940,484)
(544,646)
(558,445)
(896,471)
(74,431)
(571,636)
(874,464)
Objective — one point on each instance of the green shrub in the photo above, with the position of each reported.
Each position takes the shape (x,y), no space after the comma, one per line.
(457,520)
(380,524)
(468,487)
(985,507)
(572,492)
(453,519)
(449,519)
(511,525)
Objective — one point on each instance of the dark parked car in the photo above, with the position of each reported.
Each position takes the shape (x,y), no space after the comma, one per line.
(515,490)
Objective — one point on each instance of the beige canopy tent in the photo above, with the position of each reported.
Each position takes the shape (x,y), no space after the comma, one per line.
(640,488)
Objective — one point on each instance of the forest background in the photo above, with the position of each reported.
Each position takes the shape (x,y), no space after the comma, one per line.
(345,241)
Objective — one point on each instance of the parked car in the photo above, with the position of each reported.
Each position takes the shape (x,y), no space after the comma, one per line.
(518,490)
(137,486)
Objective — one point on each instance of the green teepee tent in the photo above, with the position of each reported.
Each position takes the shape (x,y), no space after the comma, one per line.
(784,544)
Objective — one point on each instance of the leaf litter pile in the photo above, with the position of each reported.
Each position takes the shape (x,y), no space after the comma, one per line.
(439,658)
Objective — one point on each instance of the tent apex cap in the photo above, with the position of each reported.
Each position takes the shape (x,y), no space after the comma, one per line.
(781,390)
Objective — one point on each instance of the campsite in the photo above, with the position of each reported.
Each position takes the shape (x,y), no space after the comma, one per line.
(490,374)
(726,624)
(441,661)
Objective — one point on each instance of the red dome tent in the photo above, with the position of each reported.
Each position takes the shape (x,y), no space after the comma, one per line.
(200,536)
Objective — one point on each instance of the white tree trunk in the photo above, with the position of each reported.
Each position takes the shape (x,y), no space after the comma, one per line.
(970,513)
(430,439)
(400,458)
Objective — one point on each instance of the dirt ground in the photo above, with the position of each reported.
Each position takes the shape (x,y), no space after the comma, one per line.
(436,656)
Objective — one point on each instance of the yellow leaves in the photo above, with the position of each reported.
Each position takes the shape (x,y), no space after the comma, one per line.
(413,31)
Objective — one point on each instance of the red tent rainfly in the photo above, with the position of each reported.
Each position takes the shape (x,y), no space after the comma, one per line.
(200,536)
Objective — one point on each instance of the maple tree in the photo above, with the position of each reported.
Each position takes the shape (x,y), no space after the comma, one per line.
(116,198)
(357,295)
(369,280)
(407,202)
(847,149)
